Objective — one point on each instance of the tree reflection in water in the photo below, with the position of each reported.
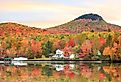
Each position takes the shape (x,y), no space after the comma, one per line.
(46,72)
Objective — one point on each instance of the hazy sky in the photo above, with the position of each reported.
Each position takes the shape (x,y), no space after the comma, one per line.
(48,13)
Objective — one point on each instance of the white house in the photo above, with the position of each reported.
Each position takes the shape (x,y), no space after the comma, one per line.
(59,54)
(60,67)
(59,51)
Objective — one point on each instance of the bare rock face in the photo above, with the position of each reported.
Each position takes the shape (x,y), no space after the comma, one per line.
(91,16)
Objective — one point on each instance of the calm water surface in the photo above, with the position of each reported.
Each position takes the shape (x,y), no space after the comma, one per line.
(63,72)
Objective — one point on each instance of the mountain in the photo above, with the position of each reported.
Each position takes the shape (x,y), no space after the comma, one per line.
(14,28)
(88,22)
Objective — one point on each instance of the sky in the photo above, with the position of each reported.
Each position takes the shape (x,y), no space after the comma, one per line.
(50,13)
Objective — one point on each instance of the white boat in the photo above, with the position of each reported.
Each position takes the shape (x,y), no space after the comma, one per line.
(20,59)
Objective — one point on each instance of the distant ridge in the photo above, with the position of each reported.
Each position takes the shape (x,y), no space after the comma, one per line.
(87,22)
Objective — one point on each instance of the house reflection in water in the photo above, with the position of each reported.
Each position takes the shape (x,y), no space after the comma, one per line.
(61,67)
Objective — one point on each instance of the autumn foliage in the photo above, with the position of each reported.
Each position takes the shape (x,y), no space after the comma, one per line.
(17,40)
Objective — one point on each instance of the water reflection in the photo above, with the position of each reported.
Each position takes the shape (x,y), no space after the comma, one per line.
(60,72)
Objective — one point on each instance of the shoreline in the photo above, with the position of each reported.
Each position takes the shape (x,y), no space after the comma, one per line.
(63,61)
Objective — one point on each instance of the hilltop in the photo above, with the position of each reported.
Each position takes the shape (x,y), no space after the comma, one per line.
(90,16)
(15,28)
(88,22)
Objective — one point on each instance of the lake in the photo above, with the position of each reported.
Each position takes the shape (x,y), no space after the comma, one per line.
(60,72)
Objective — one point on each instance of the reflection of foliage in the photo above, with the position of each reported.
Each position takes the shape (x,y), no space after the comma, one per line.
(8,73)
(46,70)
(104,72)
(18,73)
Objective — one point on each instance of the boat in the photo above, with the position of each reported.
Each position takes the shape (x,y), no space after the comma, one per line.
(20,59)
